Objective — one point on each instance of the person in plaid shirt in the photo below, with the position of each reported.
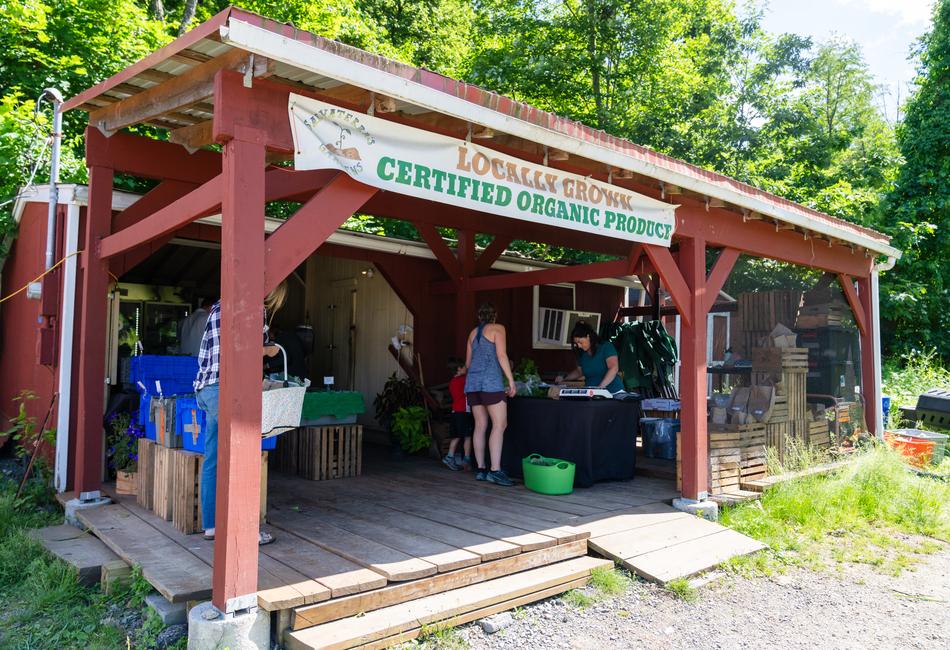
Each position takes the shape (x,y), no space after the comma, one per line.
(206,394)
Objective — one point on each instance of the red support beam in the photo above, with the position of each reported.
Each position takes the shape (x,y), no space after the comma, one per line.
(186,209)
(868,371)
(148,158)
(234,577)
(694,445)
(578,273)
(465,299)
(290,245)
(491,254)
(441,250)
(847,286)
(719,274)
(665,267)
(92,327)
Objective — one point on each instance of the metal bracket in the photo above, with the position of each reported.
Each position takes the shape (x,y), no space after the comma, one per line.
(238,605)
(249,72)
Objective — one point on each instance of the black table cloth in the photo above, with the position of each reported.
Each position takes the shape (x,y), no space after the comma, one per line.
(599,436)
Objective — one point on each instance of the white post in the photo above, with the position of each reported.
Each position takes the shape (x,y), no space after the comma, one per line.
(67,323)
(876,391)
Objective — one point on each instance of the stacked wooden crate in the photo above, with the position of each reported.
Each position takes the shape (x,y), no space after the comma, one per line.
(786,369)
(759,313)
(170,484)
(736,454)
(321,453)
(819,433)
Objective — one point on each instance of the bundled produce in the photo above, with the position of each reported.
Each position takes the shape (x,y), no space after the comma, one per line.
(647,355)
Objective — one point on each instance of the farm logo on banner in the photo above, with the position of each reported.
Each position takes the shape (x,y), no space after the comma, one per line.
(430,166)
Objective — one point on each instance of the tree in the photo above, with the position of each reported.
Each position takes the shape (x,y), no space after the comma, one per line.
(916,294)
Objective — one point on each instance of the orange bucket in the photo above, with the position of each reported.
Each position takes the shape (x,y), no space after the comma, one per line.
(918,452)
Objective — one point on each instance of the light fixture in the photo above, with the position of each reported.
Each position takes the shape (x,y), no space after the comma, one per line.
(483,133)
(368,273)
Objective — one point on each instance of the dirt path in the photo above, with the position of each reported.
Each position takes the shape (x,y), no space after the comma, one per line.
(853,607)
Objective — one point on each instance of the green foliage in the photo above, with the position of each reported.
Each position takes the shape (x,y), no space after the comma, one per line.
(681,588)
(904,379)
(438,637)
(579,598)
(409,425)
(28,438)
(609,581)
(916,293)
(397,393)
(854,515)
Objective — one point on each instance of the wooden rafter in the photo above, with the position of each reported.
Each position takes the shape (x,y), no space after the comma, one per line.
(164,221)
(847,286)
(578,273)
(195,85)
(719,274)
(491,253)
(441,250)
(665,265)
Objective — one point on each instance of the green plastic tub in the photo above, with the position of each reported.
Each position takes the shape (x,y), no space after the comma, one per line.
(548,475)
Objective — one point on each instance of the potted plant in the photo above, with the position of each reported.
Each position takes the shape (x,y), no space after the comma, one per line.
(409,426)
(123,452)
(396,394)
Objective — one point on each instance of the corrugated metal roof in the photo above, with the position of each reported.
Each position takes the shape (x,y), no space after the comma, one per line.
(204,43)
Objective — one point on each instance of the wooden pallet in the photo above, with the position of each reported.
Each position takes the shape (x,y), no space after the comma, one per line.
(146,473)
(322,453)
(779,359)
(186,506)
(163,481)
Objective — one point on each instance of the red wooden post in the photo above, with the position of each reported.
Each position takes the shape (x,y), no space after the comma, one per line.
(694,444)
(465,298)
(234,580)
(93,320)
(868,373)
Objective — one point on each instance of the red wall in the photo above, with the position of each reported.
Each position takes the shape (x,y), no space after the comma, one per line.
(20,322)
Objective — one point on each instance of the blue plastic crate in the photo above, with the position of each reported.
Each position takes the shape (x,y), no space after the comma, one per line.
(190,423)
(176,374)
(187,414)
(144,420)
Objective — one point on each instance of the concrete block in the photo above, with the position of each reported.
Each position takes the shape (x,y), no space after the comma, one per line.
(705,509)
(75,505)
(496,623)
(170,613)
(209,628)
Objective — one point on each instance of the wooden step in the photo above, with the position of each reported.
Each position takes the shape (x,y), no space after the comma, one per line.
(337,608)
(77,548)
(389,625)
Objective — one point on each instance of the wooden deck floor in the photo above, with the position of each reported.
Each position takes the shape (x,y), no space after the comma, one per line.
(400,521)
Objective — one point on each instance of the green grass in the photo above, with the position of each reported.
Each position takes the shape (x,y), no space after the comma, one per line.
(605,582)
(905,379)
(681,588)
(44,606)
(438,637)
(874,511)
(579,599)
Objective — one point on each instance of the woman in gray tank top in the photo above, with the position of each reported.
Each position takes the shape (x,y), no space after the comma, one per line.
(487,360)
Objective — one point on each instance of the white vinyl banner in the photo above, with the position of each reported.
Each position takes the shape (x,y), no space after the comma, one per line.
(430,166)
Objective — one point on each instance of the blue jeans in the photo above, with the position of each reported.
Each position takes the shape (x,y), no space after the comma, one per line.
(207,399)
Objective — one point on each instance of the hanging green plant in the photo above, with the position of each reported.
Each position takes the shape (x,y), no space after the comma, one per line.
(409,426)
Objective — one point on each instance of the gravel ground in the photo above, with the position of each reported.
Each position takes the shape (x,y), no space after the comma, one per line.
(851,607)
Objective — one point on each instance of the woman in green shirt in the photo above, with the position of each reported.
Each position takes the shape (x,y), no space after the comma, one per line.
(597,360)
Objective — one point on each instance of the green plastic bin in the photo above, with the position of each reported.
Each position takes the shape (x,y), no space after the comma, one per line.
(548,475)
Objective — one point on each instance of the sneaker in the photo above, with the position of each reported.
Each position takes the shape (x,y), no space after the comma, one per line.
(458,460)
(466,463)
(481,474)
(449,461)
(499,478)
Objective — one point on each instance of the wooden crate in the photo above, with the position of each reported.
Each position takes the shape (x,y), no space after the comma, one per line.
(736,451)
(186,506)
(163,485)
(819,434)
(777,360)
(146,472)
(323,453)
